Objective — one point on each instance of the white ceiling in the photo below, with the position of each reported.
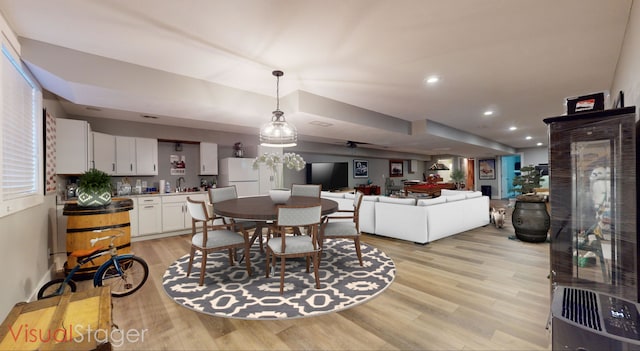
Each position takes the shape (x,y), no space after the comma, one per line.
(358,65)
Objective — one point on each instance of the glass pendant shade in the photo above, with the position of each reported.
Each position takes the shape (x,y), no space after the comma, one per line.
(277,132)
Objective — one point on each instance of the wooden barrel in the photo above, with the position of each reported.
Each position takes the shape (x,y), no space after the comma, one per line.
(83,221)
(531,220)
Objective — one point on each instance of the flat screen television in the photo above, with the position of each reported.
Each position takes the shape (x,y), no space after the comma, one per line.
(332,175)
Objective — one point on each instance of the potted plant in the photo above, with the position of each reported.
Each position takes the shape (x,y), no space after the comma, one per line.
(94,188)
(457,176)
(528,180)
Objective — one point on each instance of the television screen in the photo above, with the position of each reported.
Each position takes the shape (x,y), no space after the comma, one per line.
(331,175)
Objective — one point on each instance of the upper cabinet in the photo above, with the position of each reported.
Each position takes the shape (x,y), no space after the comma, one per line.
(73,146)
(208,159)
(146,156)
(104,152)
(125,155)
(136,156)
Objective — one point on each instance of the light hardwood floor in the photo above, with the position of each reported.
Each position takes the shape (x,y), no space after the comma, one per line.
(477,290)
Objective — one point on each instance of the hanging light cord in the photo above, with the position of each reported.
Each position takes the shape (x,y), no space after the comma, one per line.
(277,93)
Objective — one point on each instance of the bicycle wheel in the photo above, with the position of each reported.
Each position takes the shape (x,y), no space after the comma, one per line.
(51,288)
(134,274)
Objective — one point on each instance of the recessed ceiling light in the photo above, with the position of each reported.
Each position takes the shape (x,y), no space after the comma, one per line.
(149,116)
(488,113)
(513,128)
(538,144)
(528,137)
(432,80)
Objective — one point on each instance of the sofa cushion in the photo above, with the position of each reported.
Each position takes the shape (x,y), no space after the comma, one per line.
(429,202)
(373,198)
(447,192)
(473,194)
(451,198)
(395,200)
(331,194)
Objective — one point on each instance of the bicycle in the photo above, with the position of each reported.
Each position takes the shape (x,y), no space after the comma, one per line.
(124,274)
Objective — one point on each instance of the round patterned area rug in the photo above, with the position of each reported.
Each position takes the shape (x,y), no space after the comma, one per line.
(228,292)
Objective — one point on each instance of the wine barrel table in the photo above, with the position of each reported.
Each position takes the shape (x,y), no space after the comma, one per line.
(86,223)
(530,218)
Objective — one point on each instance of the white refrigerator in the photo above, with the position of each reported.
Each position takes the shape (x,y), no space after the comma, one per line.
(239,172)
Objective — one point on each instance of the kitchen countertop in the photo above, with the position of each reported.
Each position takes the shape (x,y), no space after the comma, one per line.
(62,202)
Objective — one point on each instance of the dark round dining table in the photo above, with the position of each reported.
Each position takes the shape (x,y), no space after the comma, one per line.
(262,208)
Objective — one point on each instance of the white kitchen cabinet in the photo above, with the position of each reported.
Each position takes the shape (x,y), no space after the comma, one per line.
(133,217)
(125,155)
(104,152)
(74,152)
(146,156)
(208,159)
(149,215)
(175,215)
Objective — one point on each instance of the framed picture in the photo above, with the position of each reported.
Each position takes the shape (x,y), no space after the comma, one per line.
(360,169)
(395,168)
(487,168)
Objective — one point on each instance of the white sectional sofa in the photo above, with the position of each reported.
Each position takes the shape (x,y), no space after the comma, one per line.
(420,221)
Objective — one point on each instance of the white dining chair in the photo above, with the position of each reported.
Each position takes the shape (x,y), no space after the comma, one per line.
(213,238)
(227,193)
(286,246)
(332,229)
(309,190)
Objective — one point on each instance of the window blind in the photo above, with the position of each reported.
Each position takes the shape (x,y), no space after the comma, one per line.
(21,137)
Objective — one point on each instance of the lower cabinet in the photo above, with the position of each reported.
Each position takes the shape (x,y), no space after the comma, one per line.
(175,215)
(149,215)
(133,217)
(161,214)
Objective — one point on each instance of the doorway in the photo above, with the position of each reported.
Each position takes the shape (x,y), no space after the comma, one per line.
(510,169)
(469,185)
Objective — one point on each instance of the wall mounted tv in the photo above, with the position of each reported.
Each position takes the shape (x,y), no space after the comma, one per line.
(332,175)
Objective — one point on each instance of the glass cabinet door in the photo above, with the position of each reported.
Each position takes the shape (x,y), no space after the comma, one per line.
(593,201)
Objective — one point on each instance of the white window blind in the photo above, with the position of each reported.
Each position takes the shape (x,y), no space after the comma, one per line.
(21,138)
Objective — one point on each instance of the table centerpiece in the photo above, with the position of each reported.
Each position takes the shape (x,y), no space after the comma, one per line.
(275,163)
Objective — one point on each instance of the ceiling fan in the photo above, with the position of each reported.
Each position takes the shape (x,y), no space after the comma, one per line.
(354,144)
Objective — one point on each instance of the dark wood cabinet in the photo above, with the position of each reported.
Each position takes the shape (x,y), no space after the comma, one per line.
(368,189)
(593,169)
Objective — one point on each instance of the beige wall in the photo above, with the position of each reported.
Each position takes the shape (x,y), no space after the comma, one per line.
(627,77)
(25,238)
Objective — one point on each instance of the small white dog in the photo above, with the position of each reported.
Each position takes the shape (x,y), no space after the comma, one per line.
(497,216)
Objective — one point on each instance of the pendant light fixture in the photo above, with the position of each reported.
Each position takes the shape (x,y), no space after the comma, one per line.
(278,133)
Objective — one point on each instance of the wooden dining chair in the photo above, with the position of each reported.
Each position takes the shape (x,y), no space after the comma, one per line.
(331,228)
(230,192)
(213,238)
(309,190)
(287,246)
